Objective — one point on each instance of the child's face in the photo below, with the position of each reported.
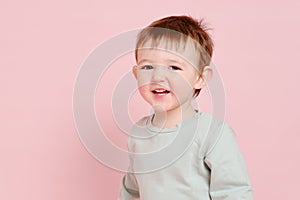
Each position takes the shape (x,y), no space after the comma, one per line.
(167,79)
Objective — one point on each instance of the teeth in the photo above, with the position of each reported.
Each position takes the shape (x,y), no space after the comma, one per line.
(159,90)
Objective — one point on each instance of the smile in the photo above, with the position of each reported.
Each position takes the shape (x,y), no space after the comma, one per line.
(161,92)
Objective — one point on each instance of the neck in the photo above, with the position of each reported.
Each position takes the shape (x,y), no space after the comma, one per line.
(166,119)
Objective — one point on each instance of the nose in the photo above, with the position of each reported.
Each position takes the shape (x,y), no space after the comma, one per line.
(159,74)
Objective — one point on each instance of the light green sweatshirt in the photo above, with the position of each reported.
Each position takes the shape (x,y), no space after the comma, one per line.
(197,159)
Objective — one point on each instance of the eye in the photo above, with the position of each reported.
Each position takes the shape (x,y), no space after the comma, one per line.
(146,67)
(175,68)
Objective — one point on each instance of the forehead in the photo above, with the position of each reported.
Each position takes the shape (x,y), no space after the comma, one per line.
(183,49)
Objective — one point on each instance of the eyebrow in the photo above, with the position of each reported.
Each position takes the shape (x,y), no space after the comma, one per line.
(144,60)
(167,60)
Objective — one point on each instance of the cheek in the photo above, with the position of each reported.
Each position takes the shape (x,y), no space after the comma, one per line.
(182,83)
(143,80)
(143,88)
(182,88)
(144,92)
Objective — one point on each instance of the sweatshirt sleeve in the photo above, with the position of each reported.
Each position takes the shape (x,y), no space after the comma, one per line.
(229,176)
(129,186)
(129,189)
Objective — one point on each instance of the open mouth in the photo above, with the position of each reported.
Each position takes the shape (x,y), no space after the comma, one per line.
(160,92)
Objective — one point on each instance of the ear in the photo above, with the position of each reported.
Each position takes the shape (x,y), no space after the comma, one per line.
(204,77)
(134,71)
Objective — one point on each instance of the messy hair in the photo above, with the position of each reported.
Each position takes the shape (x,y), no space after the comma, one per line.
(178,31)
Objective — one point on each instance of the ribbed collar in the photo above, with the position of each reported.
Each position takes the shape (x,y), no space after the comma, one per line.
(150,127)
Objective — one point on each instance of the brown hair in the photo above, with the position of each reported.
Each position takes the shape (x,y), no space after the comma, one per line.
(177,30)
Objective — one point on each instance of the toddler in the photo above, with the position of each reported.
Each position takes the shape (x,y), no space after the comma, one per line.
(179,152)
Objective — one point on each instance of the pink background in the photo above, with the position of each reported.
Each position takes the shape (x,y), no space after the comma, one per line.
(43,44)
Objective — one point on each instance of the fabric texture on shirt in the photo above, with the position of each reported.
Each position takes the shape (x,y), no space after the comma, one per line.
(211,167)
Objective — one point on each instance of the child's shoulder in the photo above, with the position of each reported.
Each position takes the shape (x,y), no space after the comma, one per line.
(211,130)
(213,122)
